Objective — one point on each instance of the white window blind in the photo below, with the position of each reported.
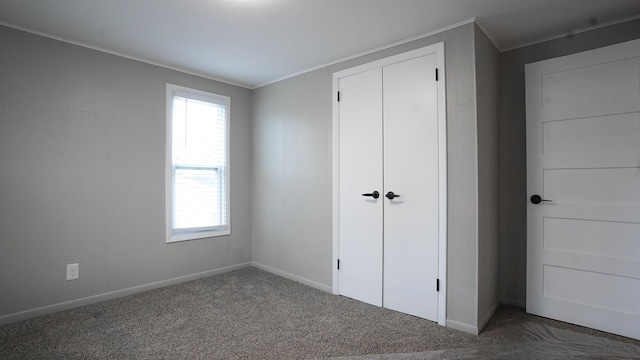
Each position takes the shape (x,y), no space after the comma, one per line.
(198,160)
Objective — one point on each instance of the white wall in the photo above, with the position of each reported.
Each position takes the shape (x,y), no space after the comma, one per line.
(82,150)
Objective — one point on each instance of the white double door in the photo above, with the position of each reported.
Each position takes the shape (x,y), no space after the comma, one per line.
(583,157)
(388,141)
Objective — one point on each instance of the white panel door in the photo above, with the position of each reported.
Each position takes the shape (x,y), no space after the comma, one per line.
(583,156)
(361,219)
(410,116)
(390,141)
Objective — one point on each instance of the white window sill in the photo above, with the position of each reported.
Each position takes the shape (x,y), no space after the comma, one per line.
(197,235)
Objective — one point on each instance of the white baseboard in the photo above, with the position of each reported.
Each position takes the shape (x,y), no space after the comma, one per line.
(284,274)
(456,325)
(512,302)
(27,314)
(487,316)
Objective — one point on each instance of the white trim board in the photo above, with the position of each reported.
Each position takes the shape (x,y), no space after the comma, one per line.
(570,33)
(485,319)
(66,305)
(286,275)
(381,48)
(214,78)
(460,326)
(123,55)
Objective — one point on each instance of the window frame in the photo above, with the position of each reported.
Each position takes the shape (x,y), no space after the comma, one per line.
(194,233)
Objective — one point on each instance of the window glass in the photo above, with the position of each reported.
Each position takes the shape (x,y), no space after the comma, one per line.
(197,161)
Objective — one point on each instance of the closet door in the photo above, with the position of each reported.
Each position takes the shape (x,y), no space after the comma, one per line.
(410,119)
(360,226)
(389,183)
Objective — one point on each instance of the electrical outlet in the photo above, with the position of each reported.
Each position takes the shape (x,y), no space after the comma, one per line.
(72,271)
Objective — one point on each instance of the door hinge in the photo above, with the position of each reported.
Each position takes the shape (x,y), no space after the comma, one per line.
(436,74)
(338,96)
(437,284)
(338,264)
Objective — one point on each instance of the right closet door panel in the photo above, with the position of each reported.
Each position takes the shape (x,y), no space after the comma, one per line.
(410,123)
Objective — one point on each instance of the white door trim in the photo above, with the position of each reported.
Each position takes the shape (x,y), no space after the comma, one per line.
(438,49)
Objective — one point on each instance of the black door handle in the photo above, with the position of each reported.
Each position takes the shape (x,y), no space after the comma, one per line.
(390,195)
(374,194)
(536,199)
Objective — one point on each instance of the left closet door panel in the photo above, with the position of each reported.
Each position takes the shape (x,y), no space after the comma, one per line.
(361,154)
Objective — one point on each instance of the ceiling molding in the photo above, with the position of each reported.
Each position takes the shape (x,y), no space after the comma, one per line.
(559,36)
(490,36)
(115,53)
(256,72)
(418,37)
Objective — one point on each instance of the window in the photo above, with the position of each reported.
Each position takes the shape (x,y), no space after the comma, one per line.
(197,171)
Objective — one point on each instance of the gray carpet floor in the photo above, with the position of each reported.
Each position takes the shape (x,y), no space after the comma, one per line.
(252,314)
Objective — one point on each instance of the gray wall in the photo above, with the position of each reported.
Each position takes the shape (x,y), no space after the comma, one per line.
(82,150)
(487,63)
(292,183)
(512,136)
(291,219)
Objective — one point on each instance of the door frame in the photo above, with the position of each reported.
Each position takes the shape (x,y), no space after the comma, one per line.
(437,49)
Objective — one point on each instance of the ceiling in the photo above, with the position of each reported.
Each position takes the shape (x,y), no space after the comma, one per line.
(255,42)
